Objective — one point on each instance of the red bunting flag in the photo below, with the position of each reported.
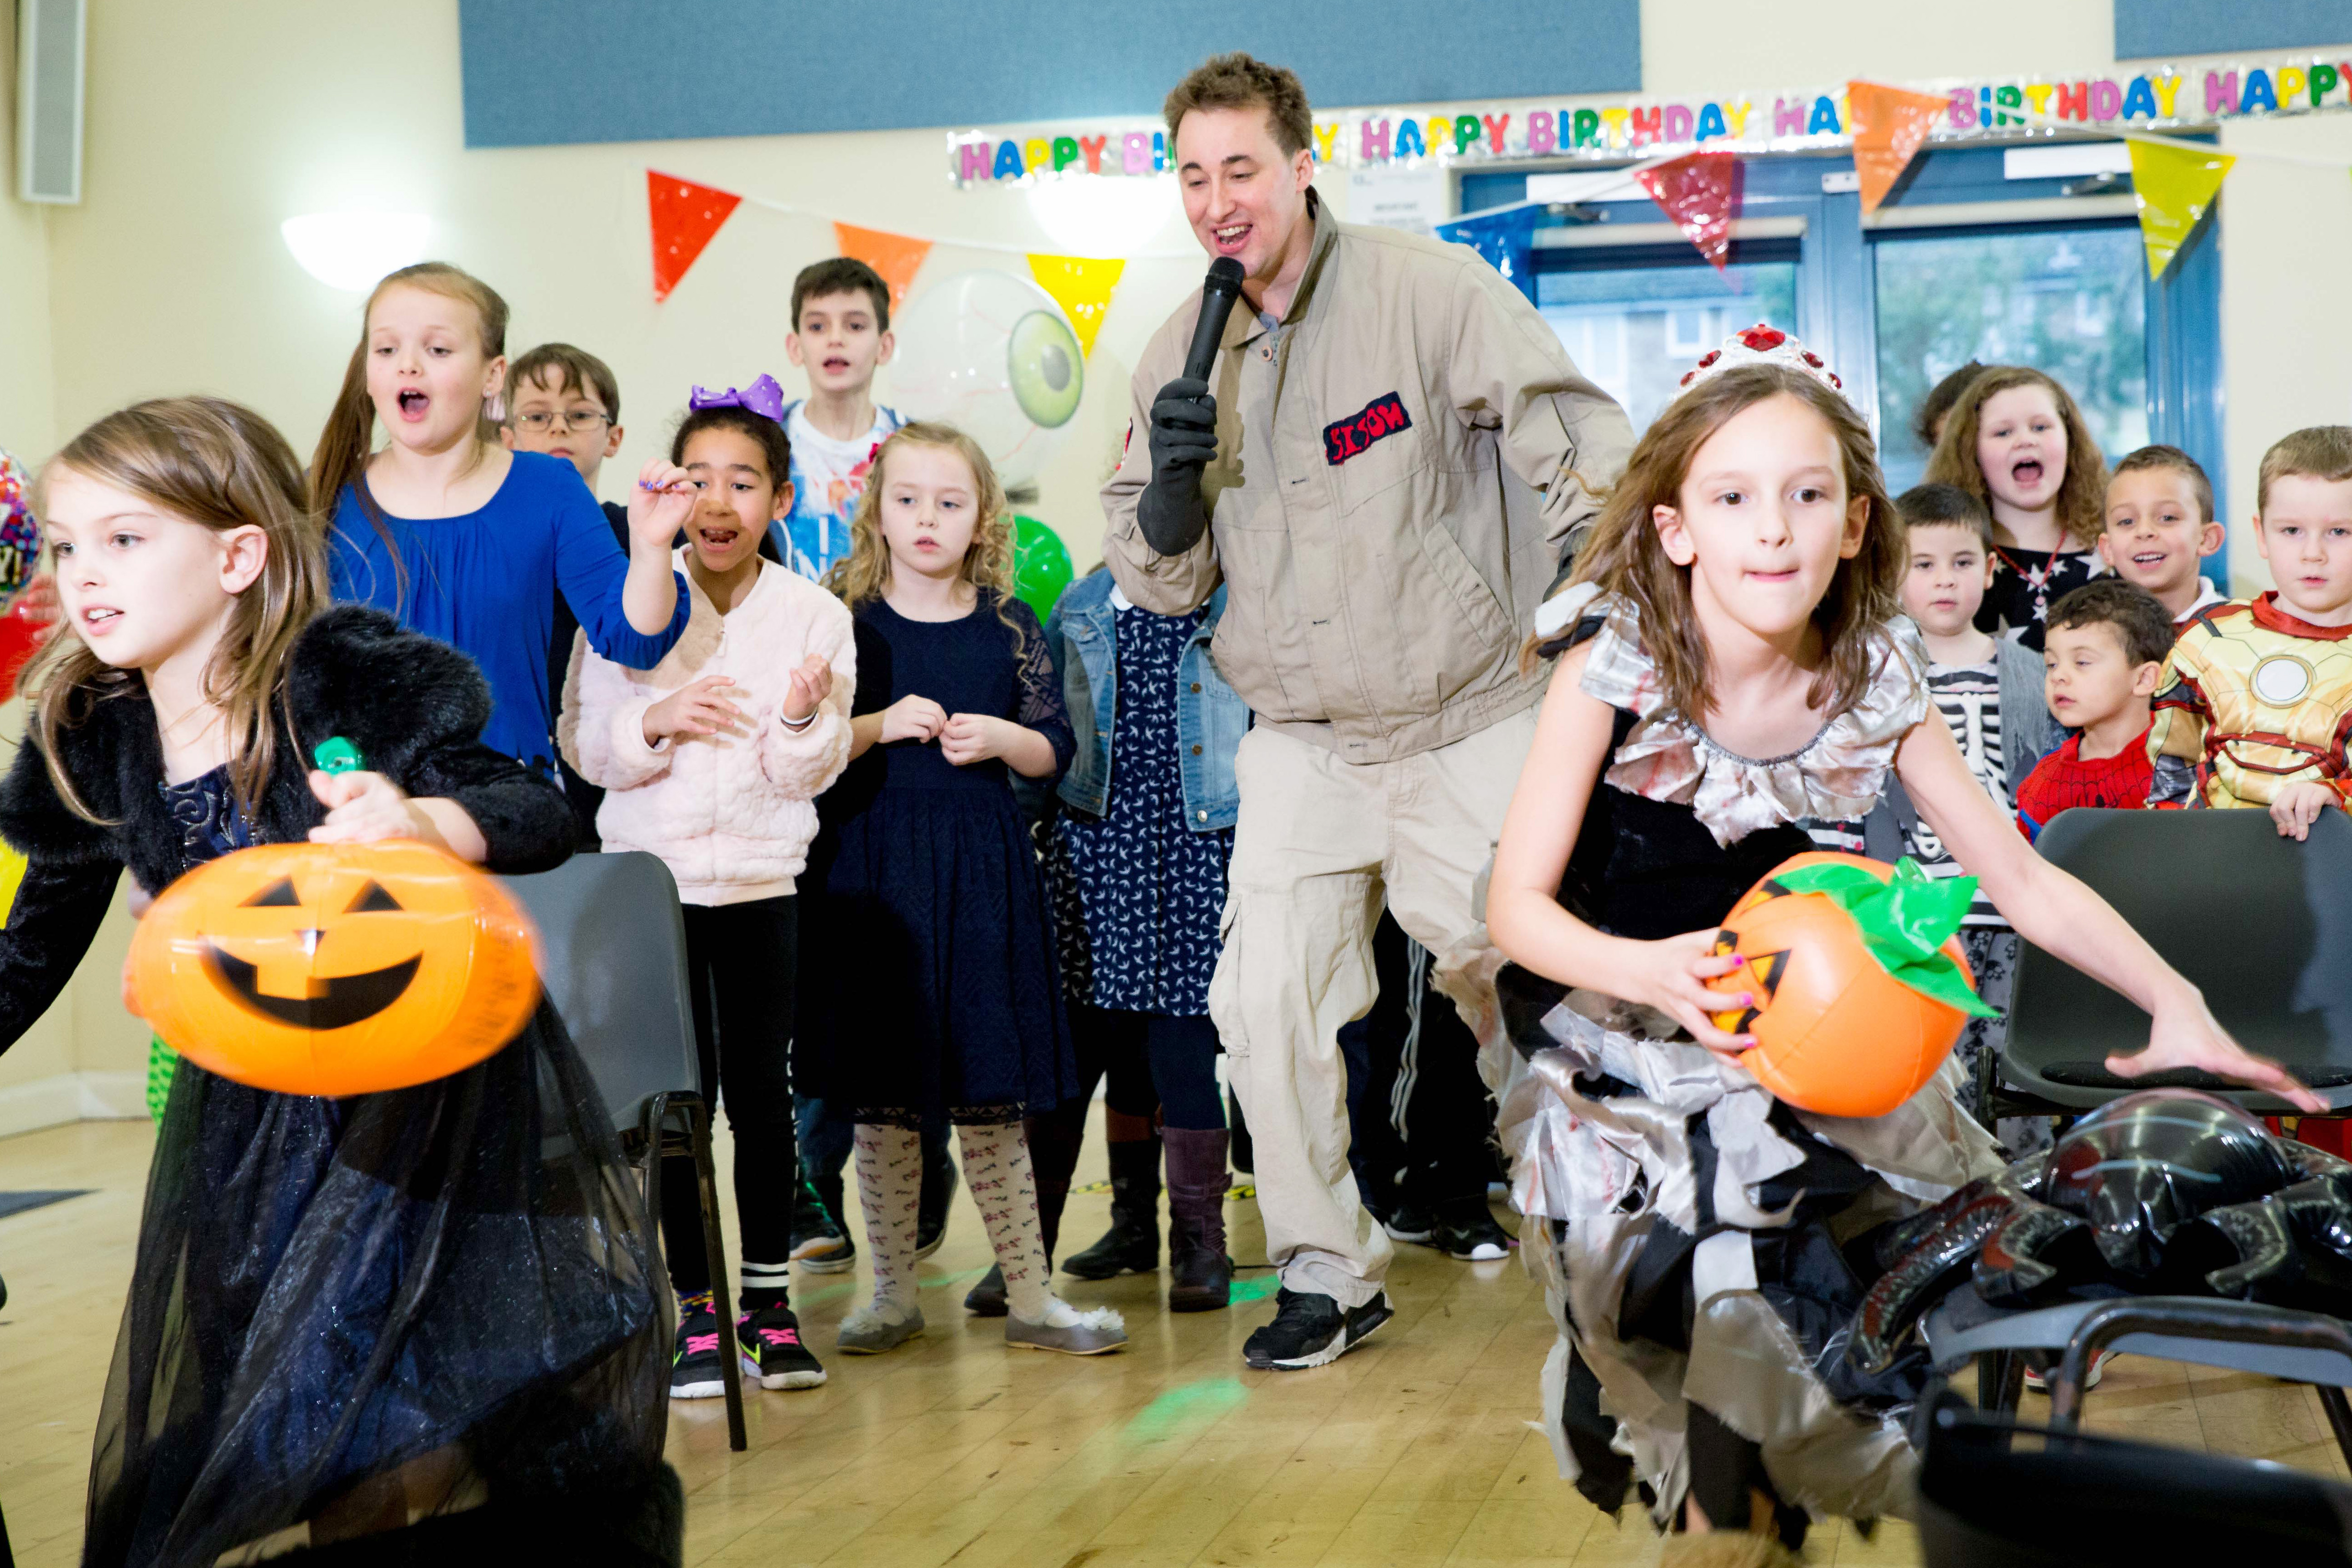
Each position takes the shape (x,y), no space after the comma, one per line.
(1888,125)
(894,256)
(684,218)
(1700,191)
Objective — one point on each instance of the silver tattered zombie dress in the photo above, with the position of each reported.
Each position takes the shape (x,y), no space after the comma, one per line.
(1701,1244)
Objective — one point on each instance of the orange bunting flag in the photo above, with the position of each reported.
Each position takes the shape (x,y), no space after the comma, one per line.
(1082,286)
(1888,125)
(2174,185)
(894,256)
(684,218)
(1700,191)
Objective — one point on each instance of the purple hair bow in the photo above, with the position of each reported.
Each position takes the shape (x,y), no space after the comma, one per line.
(762,396)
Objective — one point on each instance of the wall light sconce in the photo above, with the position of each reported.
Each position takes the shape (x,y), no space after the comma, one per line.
(354,250)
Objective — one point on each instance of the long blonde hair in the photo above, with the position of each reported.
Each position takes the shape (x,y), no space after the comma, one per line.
(1625,555)
(864,574)
(220,465)
(2082,493)
(348,436)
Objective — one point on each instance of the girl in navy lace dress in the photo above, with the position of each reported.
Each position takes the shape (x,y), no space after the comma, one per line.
(933,996)
(429,1311)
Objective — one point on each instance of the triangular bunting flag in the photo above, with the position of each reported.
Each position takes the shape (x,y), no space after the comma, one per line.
(1888,125)
(894,256)
(685,216)
(2174,187)
(1700,191)
(1082,286)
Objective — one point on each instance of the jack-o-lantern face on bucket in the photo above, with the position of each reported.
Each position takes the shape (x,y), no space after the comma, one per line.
(326,969)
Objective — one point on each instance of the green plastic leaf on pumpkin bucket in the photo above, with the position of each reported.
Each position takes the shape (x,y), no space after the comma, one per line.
(1905,922)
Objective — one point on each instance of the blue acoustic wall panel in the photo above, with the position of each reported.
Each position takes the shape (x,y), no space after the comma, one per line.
(2168,29)
(544,71)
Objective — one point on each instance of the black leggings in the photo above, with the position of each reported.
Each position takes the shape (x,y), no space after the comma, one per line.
(742,960)
(1152,1060)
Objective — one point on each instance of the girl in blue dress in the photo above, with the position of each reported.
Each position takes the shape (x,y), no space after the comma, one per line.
(465,541)
(939,1001)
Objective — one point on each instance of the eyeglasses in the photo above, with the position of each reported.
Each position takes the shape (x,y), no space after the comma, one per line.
(539,423)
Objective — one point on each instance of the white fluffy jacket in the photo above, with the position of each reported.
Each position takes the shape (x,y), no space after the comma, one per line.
(732,815)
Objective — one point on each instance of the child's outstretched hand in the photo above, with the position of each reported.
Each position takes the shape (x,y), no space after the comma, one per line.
(660,504)
(975,738)
(2185,1034)
(913,717)
(1672,974)
(363,807)
(812,683)
(698,708)
(2298,807)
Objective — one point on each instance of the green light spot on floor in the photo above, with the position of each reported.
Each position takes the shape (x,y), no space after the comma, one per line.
(1187,1404)
(1250,1288)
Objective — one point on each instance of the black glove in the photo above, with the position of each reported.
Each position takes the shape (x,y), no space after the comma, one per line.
(1183,438)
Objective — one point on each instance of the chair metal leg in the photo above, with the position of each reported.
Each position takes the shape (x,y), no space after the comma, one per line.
(656,1117)
(714,1248)
(2339,1416)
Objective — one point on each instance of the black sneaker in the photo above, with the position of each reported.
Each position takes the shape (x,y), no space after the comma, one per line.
(932,1210)
(1309,1330)
(987,1298)
(1410,1222)
(1471,1234)
(773,1352)
(820,1245)
(695,1370)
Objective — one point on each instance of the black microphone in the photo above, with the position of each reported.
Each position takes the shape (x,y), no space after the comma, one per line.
(1217,297)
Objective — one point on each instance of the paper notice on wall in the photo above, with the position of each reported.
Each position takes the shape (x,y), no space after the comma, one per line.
(1415,197)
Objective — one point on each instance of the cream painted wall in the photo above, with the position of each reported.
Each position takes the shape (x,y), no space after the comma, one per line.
(207,126)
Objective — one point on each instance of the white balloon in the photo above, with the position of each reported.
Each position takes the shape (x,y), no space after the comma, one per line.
(993,355)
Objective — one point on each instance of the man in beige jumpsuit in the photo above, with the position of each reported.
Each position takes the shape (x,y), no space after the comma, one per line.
(1360,469)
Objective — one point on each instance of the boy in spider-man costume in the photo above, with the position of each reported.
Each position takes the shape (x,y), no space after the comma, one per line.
(2255,704)
(2102,652)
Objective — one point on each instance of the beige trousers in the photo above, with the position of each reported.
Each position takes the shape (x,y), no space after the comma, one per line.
(1321,844)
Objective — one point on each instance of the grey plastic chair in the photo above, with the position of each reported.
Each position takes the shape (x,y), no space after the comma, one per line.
(2262,924)
(615,965)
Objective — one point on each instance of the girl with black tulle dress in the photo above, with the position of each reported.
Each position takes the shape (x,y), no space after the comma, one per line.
(421,1323)
(931,995)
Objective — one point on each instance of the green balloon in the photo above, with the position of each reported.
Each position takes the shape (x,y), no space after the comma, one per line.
(1041,566)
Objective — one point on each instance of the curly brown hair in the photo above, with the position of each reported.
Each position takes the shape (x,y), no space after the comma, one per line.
(2081,494)
(864,574)
(1239,82)
(1625,556)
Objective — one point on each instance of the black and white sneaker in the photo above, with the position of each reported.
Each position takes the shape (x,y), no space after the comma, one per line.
(773,1352)
(695,1370)
(820,1245)
(1470,1234)
(1310,1330)
(1408,1222)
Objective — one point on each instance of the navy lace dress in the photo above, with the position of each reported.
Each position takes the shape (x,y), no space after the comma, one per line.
(932,996)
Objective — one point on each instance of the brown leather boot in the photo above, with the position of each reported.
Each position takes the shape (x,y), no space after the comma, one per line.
(1200,1275)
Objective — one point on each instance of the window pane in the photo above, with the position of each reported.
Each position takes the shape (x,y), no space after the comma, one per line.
(2070,302)
(1635,329)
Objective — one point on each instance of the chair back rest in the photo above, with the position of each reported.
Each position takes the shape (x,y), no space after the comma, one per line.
(2260,924)
(614,963)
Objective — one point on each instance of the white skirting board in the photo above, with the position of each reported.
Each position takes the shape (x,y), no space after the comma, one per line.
(73,1096)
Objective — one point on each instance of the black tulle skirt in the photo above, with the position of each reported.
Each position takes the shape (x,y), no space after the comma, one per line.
(453,1282)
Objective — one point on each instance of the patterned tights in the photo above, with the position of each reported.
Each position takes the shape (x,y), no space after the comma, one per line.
(996,1168)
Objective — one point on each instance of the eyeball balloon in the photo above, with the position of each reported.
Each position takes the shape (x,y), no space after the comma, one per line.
(991,355)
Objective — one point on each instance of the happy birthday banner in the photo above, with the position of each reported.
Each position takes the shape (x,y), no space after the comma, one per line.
(2176,98)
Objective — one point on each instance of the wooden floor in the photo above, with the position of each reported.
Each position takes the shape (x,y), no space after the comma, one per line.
(1412,1452)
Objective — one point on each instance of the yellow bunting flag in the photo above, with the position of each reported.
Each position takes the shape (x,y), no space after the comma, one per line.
(12,872)
(1888,125)
(1082,286)
(2174,186)
(894,256)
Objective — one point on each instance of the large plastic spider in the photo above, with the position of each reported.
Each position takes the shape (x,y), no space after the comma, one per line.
(2165,1192)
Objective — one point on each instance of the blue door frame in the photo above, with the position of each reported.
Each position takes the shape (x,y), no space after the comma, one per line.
(1837,274)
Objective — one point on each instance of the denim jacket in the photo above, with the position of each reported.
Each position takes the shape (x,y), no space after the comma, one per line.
(1211,718)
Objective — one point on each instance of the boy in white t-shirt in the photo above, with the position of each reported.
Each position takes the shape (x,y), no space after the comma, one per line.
(840,335)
